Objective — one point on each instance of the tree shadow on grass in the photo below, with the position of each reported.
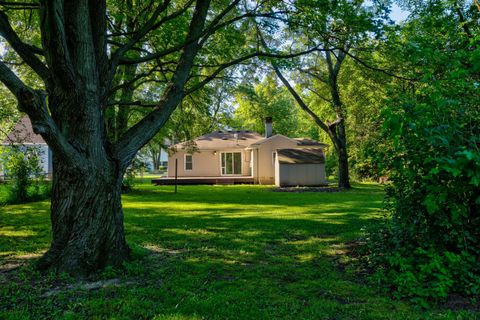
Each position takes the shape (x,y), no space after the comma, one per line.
(221,253)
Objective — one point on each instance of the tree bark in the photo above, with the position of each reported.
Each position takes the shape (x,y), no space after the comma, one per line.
(87,219)
(338,136)
(338,130)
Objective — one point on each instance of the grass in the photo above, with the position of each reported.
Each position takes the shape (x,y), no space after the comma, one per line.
(211,252)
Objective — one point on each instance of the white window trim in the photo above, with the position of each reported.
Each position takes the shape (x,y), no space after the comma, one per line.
(185,161)
(241,164)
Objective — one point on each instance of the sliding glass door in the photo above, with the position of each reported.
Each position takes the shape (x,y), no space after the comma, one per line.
(231,163)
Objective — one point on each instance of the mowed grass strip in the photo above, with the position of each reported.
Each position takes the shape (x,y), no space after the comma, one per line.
(210,252)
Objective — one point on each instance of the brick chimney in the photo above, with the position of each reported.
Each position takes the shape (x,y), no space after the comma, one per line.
(268,127)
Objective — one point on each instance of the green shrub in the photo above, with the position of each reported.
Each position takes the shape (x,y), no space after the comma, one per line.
(428,248)
(22,166)
(133,170)
(331,164)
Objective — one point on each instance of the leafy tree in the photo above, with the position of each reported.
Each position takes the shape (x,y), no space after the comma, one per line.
(341,27)
(201,112)
(429,248)
(266,99)
(79,52)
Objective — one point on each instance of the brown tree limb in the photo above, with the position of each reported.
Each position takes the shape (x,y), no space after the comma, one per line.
(142,132)
(366,65)
(203,36)
(54,41)
(137,103)
(300,101)
(24,50)
(19,5)
(224,66)
(33,103)
(150,25)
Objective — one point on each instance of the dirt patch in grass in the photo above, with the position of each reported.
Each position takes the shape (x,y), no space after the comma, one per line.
(87,286)
(9,264)
(309,189)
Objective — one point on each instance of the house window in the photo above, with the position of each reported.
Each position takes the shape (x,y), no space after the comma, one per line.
(231,163)
(188,162)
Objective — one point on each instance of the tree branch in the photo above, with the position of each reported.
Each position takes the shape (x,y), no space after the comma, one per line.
(54,41)
(300,101)
(319,95)
(138,135)
(23,50)
(33,103)
(204,36)
(151,24)
(244,58)
(360,61)
(19,5)
(133,103)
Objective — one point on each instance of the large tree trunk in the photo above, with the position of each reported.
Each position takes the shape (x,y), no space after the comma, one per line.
(87,220)
(336,132)
(78,71)
(337,129)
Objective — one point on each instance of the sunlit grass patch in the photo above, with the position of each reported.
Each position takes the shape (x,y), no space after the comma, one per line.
(211,252)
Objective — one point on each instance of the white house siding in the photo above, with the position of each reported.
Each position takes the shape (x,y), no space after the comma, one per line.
(206,163)
(45,157)
(263,162)
(163,157)
(300,174)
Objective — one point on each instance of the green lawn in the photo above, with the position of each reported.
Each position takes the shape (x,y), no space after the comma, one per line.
(211,252)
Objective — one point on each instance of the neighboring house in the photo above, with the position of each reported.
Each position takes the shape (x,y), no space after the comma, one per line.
(22,135)
(267,160)
(146,158)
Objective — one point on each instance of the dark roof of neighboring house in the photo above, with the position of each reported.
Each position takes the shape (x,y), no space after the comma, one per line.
(301,142)
(300,156)
(231,139)
(309,142)
(23,133)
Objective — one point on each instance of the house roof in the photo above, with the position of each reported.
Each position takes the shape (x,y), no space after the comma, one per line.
(309,142)
(301,142)
(23,133)
(231,139)
(263,140)
(300,156)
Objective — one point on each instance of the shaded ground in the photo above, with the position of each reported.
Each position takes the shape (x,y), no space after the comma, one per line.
(210,252)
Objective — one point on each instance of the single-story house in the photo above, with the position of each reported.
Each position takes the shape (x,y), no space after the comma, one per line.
(22,135)
(269,159)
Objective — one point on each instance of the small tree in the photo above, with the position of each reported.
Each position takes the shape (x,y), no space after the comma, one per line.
(23,166)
